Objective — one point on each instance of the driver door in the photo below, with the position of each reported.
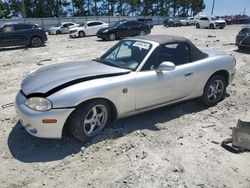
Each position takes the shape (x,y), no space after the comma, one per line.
(156,88)
(65,28)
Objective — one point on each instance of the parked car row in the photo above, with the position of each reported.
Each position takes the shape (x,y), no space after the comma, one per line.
(33,35)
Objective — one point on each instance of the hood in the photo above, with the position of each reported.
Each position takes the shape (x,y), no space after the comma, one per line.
(220,21)
(59,76)
(106,28)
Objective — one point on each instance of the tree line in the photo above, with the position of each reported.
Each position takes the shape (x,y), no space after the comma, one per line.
(56,8)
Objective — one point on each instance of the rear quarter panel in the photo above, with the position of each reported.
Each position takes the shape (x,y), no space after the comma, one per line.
(216,61)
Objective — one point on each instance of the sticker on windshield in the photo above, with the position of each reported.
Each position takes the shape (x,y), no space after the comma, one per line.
(142,45)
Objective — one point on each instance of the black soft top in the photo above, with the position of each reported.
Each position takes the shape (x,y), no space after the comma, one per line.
(195,53)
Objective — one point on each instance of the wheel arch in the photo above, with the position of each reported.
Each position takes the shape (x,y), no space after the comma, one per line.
(110,103)
(223,73)
(31,37)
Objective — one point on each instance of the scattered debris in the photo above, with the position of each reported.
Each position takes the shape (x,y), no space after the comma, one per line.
(208,126)
(8,105)
(211,36)
(40,62)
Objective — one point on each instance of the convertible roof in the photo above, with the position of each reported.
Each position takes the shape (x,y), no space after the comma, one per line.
(195,53)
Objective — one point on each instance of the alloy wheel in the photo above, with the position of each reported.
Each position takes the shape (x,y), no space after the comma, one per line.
(95,120)
(215,91)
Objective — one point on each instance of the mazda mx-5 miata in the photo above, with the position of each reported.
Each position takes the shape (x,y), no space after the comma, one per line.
(135,75)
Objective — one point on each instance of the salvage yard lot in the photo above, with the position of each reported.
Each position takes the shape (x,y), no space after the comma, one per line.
(175,146)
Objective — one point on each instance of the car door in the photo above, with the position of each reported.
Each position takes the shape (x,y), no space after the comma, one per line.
(93,27)
(21,31)
(155,88)
(8,36)
(65,28)
(136,28)
(127,29)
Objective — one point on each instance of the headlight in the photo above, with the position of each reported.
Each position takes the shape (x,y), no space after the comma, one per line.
(39,104)
(105,31)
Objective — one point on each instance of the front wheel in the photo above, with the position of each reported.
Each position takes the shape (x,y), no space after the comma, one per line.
(214,90)
(197,26)
(36,42)
(112,36)
(211,26)
(81,34)
(89,119)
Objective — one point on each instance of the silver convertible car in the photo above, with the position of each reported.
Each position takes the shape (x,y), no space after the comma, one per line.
(135,75)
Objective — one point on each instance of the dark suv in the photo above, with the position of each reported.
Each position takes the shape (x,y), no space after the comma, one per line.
(243,38)
(22,34)
(147,21)
(123,29)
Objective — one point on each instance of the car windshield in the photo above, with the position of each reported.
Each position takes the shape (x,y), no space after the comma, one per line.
(127,54)
(116,24)
(82,24)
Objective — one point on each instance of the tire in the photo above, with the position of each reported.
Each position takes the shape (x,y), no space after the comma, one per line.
(112,36)
(242,47)
(142,33)
(211,26)
(214,91)
(58,32)
(81,34)
(197,26)
(89,119)
(36,42)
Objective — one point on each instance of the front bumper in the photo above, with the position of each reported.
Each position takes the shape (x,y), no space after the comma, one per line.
(52,32)
(75,34)
(32,120)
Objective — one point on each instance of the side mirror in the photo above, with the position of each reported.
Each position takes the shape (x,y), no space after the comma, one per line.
(165,66)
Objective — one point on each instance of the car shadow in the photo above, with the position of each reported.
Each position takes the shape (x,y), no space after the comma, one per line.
(2,49)
(28,149)
(243,51)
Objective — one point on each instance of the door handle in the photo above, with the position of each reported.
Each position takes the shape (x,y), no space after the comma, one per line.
(189,74)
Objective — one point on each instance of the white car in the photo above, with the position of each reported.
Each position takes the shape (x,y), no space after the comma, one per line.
(210,22)
(87,29)
(135,75)
(188,21)
(62,28)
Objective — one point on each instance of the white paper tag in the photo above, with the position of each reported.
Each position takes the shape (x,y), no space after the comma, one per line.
(142,45)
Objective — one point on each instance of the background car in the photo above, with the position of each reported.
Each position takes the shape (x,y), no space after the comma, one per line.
(210,22)
(123,29)
(172,22)
(22,34)
(135,75)
(147,21)
(87,29)
(62,28)
(243,38)
(188,21)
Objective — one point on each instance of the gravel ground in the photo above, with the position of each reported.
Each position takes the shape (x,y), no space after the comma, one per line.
(175,146)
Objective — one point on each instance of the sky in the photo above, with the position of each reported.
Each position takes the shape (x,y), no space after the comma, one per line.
(227,7)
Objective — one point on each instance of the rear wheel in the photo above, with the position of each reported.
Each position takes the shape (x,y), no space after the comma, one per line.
(112,36)
(81,34)
(214,90)
(58,32)
(197,26)
(36,42)
(89,119)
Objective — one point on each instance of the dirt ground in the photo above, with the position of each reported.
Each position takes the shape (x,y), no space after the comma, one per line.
(175,146)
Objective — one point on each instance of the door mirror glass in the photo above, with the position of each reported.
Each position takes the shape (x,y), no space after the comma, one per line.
(165,66)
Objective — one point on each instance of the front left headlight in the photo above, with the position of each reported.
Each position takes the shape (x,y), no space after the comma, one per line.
(39,104)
